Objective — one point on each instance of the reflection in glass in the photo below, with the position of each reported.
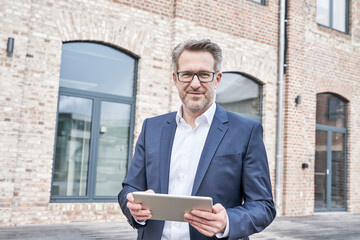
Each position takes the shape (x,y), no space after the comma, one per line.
(338,171)
(97,68)
(339,15)
(330,110)
(321,170)
(72,147)
(238,93)
(113,148)
(323,12)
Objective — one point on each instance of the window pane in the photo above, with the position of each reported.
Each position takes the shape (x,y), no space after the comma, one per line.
(323,11)
(113,148)
(96,67)
(72,147)
(330,110)
(339,15)
(338,171)
(321,170)
(239,94)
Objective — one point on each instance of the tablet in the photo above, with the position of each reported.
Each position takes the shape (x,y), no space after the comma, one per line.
(171,207)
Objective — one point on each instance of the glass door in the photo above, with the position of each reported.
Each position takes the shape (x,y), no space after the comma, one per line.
(330,153)
(330,171)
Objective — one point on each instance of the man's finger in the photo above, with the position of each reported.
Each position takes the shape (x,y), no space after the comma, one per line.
(133,206)
(142,217)
(130,197)
(203,214)
(195,218)
(141,213)
(150,191)
(136,209)
(204,229)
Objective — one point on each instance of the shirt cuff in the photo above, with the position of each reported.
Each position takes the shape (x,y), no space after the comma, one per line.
(143,222)
(226,232)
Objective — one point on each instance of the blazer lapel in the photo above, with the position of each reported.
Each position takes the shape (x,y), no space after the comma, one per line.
(215,135)
(166,142)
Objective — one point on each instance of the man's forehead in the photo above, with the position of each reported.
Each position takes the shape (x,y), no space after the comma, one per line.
(196,61)
(190,55)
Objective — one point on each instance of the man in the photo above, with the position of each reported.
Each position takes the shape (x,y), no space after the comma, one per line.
(201,150)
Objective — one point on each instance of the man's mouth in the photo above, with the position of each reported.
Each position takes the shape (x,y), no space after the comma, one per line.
(195,93)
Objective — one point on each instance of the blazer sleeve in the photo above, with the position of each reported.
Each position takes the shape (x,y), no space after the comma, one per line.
(136,177)
(257,210)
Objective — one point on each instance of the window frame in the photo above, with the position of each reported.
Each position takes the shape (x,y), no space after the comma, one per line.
(262,2)
(347,17)
(97,98)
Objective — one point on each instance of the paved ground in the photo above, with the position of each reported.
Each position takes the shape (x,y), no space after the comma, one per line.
(329,226)
(321,226)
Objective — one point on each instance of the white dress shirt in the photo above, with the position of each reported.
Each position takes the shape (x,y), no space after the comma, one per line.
(186,151)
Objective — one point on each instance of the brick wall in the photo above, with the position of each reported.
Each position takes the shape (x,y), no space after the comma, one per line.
(29,95)
(319,60)
(247,33)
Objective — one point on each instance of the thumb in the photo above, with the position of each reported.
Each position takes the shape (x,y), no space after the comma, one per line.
(150,191)
(217,208)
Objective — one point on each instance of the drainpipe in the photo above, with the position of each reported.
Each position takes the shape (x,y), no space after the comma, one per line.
(279,133)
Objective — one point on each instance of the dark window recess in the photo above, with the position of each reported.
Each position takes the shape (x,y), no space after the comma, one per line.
(335,109)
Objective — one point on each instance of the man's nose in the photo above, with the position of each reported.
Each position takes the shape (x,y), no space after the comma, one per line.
(195,83)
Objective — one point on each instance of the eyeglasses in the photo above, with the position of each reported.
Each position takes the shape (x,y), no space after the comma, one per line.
(203,76)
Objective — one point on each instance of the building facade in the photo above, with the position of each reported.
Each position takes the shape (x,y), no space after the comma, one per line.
(83,75)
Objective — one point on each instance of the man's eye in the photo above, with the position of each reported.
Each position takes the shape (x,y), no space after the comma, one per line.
(204,75)
(186,75)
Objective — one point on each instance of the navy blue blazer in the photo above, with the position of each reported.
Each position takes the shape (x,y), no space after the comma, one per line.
(233,170)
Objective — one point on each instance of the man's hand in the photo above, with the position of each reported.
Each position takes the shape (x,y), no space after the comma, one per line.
(208,223)
(136,209)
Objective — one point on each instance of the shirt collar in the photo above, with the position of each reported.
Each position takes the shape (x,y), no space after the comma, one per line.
(208,115)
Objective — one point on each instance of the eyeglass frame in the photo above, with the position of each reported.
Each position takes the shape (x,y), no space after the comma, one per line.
(178,78)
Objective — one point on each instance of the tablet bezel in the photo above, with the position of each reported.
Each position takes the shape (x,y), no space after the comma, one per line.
(171,207)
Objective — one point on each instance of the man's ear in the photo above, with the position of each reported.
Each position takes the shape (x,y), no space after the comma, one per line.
(174,78)
(218,78)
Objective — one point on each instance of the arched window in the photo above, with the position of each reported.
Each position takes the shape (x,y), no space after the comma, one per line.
(240,94)
(330,153)
(95,122)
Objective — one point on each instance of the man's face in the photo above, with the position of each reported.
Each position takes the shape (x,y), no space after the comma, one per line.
(196,96)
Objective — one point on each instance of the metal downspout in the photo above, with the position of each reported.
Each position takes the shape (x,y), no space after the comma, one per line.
(279,133)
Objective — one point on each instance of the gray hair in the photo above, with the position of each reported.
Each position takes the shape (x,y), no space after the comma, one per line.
(198,45)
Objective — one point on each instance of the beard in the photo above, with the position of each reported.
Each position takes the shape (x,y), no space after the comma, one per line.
(196,104)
